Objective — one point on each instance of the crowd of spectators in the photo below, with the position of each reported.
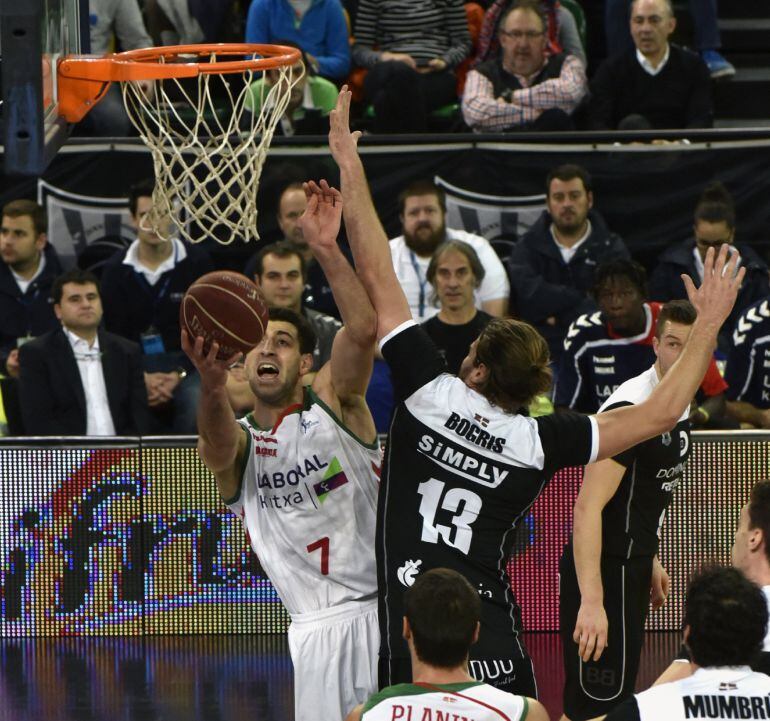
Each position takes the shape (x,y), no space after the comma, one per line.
(501,65)
(486,66)
(569,275)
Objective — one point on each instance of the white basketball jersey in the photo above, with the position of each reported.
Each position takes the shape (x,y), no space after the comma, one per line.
(734,692)
(308,502)
(473,701)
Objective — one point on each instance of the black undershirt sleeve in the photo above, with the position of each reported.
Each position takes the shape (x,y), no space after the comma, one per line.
(414,360)
(567,439)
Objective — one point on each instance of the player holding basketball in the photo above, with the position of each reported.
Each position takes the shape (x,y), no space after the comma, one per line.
(301,471)
(462,468)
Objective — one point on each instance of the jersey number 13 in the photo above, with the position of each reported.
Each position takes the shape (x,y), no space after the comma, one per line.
(465,504)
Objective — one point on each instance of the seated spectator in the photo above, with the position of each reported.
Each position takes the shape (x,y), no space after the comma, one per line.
(455,272)
(110,22)
(656,84)
(422,206)
(524,88)
(714,224)
(29,264)
(562,33)
(142,290)
(442,617)
(411,51)
(79,380)
(312,99)
(707,37)
(317,293)
(748,367)
(552,267)
(318,27)
(279,272)
(186,22)
(604,349)
(725,621)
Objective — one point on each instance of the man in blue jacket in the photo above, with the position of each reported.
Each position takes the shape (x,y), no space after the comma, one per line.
(320,30)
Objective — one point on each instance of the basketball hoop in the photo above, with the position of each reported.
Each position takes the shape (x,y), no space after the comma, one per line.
(208,147)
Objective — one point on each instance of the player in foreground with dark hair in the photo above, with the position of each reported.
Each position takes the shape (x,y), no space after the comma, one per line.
(610,570)
(463,467)
(301,471)
(751,555)
(441,622)
(725,621)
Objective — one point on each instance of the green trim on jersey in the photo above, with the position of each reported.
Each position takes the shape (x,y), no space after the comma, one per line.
(315,399)
(525,710)
(244,463)
(410,689)
(250,420)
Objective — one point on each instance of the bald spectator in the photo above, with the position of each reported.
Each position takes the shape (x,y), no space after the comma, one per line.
(656,84)
(524,87)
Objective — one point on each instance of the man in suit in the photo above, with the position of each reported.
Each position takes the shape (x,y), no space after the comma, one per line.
(80,380)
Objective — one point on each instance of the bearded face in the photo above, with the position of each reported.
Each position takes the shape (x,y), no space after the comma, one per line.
(424,224)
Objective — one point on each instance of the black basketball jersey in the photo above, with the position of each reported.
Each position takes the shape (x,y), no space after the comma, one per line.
(458,476)
(632,518)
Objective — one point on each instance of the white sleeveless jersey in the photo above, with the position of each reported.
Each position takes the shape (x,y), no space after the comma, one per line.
(710,693)
(471,701)
(308,501)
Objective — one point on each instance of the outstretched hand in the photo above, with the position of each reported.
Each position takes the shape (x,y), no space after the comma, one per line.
(342,143)
(213,372)
(321,220)
(716,296)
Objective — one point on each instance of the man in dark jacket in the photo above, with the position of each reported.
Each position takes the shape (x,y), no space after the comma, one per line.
(79,380)
(713,225)
(654,85)
(552,267)
(143,287)
(27,271)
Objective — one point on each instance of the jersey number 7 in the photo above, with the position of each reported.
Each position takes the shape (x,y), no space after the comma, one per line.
(323,544)
(461,501)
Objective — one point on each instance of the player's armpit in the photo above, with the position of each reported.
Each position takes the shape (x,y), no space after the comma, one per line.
(350,407)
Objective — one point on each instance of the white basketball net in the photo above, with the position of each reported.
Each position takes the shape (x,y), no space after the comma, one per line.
(207,157)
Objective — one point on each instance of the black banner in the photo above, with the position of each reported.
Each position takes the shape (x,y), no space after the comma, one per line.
(646,193)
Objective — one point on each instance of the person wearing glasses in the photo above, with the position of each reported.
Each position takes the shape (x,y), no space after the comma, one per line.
(713,226)
(655,84)
(80,380)
(524,88)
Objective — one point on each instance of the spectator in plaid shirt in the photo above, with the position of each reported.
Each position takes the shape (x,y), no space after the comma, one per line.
(523,88)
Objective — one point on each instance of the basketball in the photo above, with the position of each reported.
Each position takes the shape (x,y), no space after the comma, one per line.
(225,307)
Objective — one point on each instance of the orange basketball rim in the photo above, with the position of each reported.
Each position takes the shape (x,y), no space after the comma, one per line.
(83,80)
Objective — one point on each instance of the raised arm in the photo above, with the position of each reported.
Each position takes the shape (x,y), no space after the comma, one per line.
(221,442)
(625,427)
(366,235)
(343,381)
